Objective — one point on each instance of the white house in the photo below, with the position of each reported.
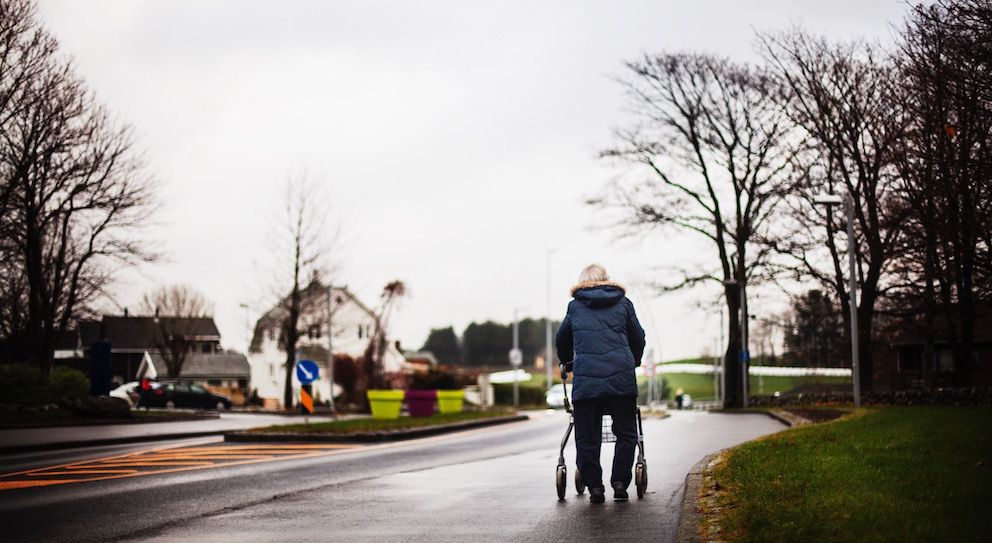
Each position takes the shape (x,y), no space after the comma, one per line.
(352,322)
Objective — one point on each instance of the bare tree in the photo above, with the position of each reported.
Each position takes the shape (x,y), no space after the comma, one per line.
(72,186)
(945,168)
(303,249)
(710,149)
(179,314)
(373,374)
(843,97)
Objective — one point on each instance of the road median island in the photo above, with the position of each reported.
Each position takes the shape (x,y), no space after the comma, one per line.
(880,474)
(368,430)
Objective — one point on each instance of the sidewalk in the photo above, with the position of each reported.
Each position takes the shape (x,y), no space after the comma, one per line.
(36,439)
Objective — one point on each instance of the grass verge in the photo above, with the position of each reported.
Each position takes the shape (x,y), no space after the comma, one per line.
(893,474)
(356,426)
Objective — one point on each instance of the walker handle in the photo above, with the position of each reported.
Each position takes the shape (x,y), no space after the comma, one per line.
(564,389)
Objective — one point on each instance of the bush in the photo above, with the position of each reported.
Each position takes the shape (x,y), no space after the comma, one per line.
(503,393)
(104,408)
(439,378)
(68,384)
(21,384)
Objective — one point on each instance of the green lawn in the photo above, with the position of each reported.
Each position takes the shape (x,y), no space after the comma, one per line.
(700,386)
(352,426)
(892,474)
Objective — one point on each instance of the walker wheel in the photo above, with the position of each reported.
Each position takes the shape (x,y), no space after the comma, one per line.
(580,487)
(560,478)
(641,478)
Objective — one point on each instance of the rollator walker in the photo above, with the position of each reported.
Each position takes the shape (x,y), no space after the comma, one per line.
(561,472)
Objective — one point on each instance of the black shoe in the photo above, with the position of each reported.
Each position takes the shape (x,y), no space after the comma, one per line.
(597,495)
(619,492)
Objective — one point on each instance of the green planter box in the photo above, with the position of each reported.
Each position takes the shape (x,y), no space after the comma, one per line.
(385,404)
(450,401)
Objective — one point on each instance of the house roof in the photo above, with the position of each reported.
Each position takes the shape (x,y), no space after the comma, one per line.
(204,366)
(126,332)
(313,295)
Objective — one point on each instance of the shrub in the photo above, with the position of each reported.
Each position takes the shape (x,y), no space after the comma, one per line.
(21,384)
(104,407)
(440,378)
(68,384)
(503,393)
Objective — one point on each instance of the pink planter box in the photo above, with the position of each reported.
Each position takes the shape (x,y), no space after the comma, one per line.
(421,403)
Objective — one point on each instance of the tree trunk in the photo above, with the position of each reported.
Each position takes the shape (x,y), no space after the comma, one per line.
(734,376)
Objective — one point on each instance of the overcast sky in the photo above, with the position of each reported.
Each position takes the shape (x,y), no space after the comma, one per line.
(457,140)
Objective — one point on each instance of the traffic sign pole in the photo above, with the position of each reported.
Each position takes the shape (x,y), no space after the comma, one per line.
(307,372)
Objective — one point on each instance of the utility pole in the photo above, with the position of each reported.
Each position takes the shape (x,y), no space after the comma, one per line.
(745,352)
(549,354)
(515,360)
(330,341)
(852,288)
(723,369)
(852,284)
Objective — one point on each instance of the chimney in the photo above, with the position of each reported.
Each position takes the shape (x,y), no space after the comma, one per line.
(125,312)
(156,313)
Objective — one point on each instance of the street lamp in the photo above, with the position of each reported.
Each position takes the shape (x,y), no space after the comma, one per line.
(549,354)
(848,203)
(516,357)
(330,341)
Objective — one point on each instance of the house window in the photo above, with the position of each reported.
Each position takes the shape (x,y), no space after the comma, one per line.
(272,334)
(360,327)
(272,370)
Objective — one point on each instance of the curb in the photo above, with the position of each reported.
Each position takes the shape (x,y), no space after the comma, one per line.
(370,437)
(689,516)
(59,445)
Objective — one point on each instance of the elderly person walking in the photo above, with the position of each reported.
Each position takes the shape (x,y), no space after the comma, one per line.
(601,342)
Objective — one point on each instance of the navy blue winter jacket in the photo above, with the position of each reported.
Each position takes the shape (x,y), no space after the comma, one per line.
(600,341)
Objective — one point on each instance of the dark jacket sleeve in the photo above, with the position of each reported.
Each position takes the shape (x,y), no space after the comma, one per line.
(563,341)
(635,334)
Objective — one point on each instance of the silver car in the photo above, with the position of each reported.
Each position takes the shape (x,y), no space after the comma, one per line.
(556,396)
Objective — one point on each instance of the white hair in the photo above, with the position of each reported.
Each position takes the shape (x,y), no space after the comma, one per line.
(593,273)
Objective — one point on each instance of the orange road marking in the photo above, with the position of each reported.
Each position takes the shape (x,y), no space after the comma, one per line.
(152,464)
(178,456)
(10,485)
(77,472)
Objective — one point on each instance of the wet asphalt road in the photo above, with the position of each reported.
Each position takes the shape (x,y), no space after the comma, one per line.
(493,484)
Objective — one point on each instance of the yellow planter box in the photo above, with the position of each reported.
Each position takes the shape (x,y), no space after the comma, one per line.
(385,404)
(450,401)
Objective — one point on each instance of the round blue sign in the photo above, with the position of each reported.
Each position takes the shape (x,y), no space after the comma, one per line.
(307,371)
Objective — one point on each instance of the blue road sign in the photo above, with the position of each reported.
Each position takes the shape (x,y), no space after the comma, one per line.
(307,371)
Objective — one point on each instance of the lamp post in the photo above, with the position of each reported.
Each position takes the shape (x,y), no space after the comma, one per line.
(848,203)
(549,354)
(330,342)
(516,357)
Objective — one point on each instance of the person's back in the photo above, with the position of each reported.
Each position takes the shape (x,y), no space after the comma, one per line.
(601,342)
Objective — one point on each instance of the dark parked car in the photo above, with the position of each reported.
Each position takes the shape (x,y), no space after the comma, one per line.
(182,395)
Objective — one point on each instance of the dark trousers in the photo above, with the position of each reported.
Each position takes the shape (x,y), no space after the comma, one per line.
(588,417)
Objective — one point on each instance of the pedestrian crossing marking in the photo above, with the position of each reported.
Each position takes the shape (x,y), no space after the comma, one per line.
(164,460)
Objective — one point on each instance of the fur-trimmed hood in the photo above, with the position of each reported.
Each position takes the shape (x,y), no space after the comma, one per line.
(598,294)
(591,284)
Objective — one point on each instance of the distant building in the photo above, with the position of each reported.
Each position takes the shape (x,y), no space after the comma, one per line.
(902,362)
(353,324)
(223,372)
(133,338)
(420,360)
